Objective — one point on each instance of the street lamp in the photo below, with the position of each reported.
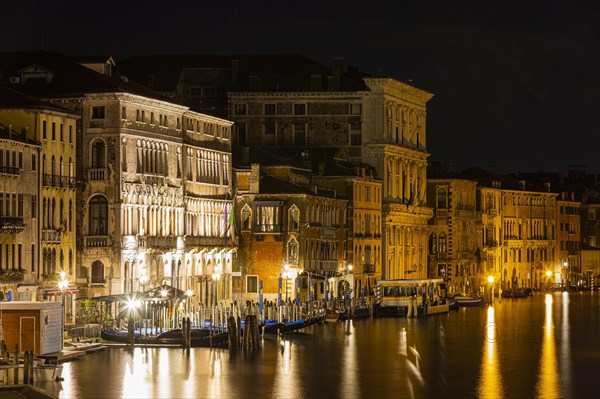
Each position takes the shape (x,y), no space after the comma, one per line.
(63,284)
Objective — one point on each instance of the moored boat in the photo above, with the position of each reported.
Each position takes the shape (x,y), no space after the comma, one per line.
(411,297)
(468,301)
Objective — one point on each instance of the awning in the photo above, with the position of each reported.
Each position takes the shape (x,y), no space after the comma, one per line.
(57,292)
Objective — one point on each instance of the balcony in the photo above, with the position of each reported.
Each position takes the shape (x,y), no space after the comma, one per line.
(9,170)
(11,225)
(267,228)
(58,181)
(97,174)
(441,213)
(202,241)
(12,276)
(327,232)
(492,212)
(323,266)
(51,236)
(97,241)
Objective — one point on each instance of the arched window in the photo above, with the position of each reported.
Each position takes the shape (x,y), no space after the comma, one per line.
(246,218)
(98,216)
(294,218)
(432,243)
(97,272)
(292,251)
(442,199)
(98,154)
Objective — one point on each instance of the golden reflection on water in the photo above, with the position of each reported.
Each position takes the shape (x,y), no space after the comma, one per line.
(548,383)
(490,383)
(286,384)
(350,383)
(565,347)
(135,384)
(214,382)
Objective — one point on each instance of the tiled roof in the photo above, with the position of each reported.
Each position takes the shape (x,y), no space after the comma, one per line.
(13,99)
(279,72)
(69,77)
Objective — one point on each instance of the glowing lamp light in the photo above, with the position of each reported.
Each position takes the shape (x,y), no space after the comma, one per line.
(189,293)
(490,279)
(163,293)
(548,273)
(350,267)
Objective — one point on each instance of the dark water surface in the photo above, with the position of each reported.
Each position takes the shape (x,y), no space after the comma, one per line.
(545,346)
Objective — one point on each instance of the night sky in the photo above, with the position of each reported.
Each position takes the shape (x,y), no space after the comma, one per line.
(516,86)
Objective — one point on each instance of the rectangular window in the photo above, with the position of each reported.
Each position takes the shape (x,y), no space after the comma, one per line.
(32,258)
(196,91)
(355,109)
(123,113)
(34,206)
(20,160)
(299,134)
(98,112)
(152,118)
(44,128)
(61,134)
(355,134)
(270,109)
(591,214)
(240,131)
(20,206)
(70,133)
(240,109)
(299,109)
(209,91)
(53,130)
(252,284)
(269,136)
(33,162)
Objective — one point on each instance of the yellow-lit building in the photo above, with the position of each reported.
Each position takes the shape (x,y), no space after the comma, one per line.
(394,142)
(38,198)
(364,241)
(528,237)
(567,269)
(455,234)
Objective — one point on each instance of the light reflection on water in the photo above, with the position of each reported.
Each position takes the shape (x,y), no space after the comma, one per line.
(490,385)
(509,350)
(548,383)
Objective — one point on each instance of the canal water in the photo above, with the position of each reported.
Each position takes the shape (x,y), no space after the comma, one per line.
(547,345)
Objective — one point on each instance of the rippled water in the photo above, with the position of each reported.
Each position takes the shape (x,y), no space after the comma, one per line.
(543,346)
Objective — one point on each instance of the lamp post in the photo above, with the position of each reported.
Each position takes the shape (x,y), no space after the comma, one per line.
(63,284)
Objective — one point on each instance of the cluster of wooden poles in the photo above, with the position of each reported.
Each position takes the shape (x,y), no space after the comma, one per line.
(7,365)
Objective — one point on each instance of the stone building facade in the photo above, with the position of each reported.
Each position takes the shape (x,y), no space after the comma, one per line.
(292,235)
(455,235)
(38,197)
(154,181)
(568,235)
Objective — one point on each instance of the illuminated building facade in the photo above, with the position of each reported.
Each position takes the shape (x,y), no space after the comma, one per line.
(455,234)
(568,246)
(38,198)
(154,180)
(292,233)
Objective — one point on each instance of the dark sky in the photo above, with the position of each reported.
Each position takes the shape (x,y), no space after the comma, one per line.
(516,86)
